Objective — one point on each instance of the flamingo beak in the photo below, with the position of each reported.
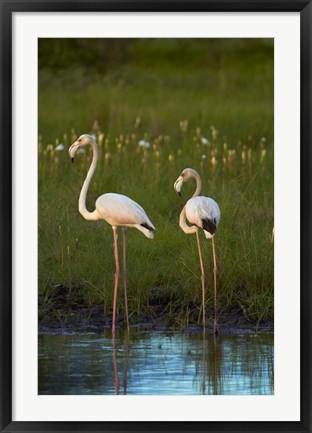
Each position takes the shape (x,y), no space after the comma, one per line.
(178,185)
(72,150)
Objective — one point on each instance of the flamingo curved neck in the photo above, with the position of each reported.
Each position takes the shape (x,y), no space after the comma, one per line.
(198,185)
(83,193)
(182,223)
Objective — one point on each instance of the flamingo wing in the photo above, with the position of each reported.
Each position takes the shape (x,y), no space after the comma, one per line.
(209,225)
(120,210)
(204,212)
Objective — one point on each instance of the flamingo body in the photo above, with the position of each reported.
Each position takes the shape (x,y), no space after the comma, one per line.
(204,212)
(120,210)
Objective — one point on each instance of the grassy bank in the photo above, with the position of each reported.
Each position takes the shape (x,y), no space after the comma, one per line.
(209,107)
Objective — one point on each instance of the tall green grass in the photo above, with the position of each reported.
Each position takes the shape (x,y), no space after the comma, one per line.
(223,95)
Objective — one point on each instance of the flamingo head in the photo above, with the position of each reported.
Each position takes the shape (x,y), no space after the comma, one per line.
(186,175)
(83,140)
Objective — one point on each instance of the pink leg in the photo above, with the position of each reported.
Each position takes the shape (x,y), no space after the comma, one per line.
(202,278)
(124,276)
(116,280)
(215,324)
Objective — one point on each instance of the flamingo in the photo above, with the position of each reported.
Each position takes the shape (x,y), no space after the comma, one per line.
(204,213)
(116,209)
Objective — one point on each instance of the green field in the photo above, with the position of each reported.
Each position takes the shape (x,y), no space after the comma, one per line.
(175,94)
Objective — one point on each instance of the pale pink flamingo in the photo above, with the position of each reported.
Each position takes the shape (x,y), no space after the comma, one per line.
(204,213)
(117,210)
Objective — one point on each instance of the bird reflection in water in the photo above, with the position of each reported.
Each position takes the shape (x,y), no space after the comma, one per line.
(126,363)
(203,384)
(211,373)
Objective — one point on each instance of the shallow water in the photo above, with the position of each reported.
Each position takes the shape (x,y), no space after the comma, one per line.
(156,363)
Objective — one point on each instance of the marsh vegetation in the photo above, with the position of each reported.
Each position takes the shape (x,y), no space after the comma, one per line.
(156,107)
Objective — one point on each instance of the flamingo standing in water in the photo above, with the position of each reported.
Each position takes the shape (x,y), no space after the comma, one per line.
(117,210)
(204,213)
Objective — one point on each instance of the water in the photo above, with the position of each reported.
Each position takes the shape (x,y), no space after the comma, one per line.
(156,363)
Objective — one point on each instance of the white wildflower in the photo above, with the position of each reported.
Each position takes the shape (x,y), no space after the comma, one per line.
(59,148)
(145,144)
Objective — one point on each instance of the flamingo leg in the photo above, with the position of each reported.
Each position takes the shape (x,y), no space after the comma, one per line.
(124,275)
(215,324)
(116,280)
(202,278)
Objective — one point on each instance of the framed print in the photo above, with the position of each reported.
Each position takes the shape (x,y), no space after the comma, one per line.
(155,216)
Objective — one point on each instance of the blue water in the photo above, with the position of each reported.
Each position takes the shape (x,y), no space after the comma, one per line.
(156,363)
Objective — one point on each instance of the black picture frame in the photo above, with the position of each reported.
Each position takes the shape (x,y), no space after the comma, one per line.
(7,10)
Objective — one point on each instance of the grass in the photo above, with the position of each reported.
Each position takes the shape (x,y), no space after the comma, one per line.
(175,97)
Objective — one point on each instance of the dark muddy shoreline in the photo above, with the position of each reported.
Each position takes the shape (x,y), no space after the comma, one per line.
(65,314)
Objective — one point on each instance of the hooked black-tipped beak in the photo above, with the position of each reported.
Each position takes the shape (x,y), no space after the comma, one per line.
(73,159)
(177,185)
